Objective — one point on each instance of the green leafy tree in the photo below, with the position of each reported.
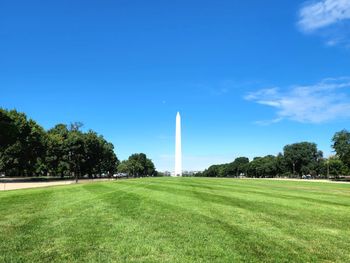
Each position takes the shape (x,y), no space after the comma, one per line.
(94,154)
(109,160)
(123,167)
(57,151)
(333,167)
(76,153)
(8,129)
(212,171)
(341,145)
(281,165)
(302,157)
(137,165)
(24,149)
(150,168)
(263,167)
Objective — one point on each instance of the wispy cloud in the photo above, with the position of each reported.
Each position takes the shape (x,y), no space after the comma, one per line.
(322,102)
(223,87)
(328,18)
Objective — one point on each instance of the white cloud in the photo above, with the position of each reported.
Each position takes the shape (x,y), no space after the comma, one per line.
(327,18)
(319,14)
(322,102)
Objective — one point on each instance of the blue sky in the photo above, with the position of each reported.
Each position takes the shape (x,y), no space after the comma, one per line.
(247,76)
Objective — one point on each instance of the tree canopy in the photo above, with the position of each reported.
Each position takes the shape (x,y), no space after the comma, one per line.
(28,150)
(297,160)
(341,145)
(302,158)
(137,165)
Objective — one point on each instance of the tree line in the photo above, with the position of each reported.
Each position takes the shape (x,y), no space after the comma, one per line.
(138,165)
(27,149)
(297,160)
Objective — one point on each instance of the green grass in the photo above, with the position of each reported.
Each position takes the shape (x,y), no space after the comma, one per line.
(177,220)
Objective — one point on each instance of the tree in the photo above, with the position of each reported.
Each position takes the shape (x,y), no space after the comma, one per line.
(333,167)
(212,171)
(302,157)
(341,145)
(35,149)
(23,146)
(123,167)
(234,169)
(8,129)
(94,153)
(137,165)
(150,168)
(269,166)
(57,151)
(240,165)
(263,166)
(109,160)
(76,153)
(26,149)
(131,167)
(281,165)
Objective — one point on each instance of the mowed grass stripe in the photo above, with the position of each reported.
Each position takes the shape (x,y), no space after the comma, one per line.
(63,214)
(262,218)
(233,234)
(177,220)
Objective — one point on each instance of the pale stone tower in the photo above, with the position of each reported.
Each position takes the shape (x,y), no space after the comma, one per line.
(178,153)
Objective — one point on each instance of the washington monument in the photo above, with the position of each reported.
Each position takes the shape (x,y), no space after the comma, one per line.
(178,153)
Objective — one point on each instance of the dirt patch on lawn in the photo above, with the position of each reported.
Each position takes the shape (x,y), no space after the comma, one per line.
(304,180)
(24,185)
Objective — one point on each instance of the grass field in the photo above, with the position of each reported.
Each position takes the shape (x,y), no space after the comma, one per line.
(177,220)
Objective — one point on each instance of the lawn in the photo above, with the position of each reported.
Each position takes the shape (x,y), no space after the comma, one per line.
(177,220)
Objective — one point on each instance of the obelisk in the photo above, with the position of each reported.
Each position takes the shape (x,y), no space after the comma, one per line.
(178,153)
